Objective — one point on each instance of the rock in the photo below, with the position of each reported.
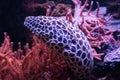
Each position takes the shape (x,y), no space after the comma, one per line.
(113,56)
(113,24)
(102,11)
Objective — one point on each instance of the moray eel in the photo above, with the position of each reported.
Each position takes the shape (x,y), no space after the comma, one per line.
(67,40)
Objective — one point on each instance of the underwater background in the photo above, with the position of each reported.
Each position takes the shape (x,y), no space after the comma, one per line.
(12,15)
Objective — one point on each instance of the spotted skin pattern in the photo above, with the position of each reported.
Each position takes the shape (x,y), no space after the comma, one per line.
(66,39)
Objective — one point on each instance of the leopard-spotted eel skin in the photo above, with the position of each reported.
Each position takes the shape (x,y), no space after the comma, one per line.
(67,40)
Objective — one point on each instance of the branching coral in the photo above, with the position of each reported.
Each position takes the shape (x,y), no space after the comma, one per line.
(9,63)
(93,26)
(37,63)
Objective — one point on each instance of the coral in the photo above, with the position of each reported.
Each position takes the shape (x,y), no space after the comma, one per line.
(52,8)
(60,10)
(39,62)
(93,26)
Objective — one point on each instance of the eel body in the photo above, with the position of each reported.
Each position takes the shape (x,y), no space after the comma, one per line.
(66,39)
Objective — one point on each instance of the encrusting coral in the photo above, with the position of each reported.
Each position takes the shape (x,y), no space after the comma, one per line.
(39,62)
